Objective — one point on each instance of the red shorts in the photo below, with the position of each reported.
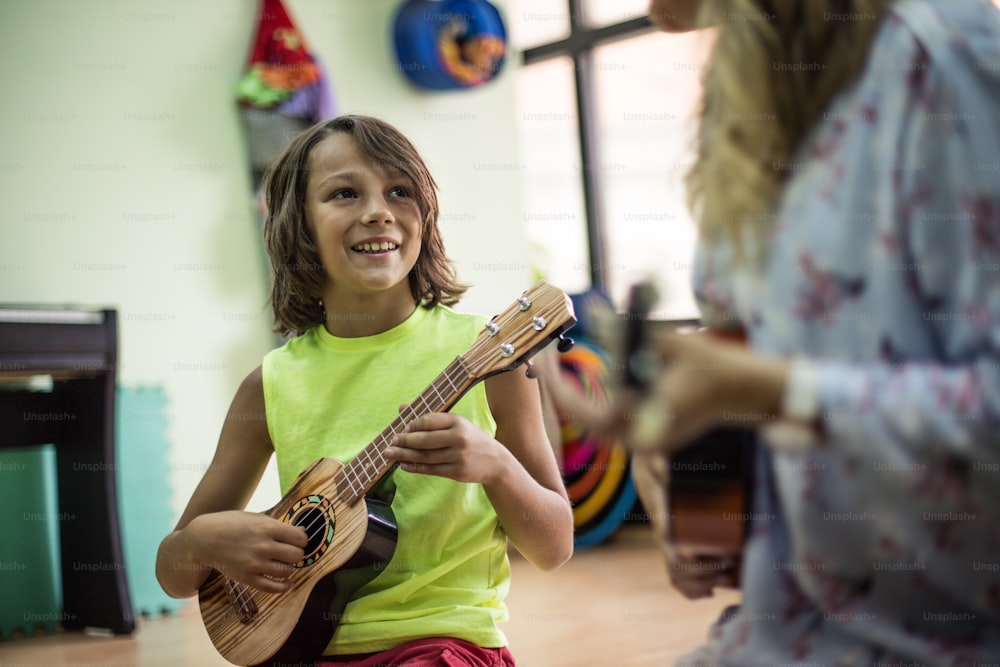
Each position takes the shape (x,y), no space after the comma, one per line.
(434,652)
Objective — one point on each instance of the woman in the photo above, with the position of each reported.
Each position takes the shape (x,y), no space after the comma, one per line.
(848,200)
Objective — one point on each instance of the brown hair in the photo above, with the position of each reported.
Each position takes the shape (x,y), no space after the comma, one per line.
(774,69)
(297,273)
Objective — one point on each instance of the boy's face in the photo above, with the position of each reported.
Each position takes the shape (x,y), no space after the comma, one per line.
(365,220)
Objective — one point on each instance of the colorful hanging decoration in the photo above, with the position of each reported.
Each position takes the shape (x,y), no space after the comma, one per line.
(284,90)
(449,44)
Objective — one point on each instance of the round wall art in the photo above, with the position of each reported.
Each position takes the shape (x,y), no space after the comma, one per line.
(449,44)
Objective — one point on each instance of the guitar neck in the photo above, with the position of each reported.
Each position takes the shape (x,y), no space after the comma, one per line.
(366,469)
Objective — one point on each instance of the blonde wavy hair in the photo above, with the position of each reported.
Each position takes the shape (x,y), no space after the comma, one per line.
(775,67)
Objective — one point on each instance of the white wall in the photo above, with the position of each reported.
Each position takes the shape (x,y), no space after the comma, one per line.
(124,182)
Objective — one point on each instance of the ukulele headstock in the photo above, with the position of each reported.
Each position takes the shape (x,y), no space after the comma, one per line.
(539,316)
(640,365)
(624,337)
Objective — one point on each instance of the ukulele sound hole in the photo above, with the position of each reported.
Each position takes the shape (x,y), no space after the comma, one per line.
(314,515)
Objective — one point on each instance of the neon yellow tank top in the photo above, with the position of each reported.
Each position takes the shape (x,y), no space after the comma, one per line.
(328,397)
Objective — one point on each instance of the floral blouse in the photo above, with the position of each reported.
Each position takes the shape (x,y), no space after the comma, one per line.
(881,544)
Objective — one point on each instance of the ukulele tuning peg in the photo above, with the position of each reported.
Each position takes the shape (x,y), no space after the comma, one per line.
(529,370)
(565,344)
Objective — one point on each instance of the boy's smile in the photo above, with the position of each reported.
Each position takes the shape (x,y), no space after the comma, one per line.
(376,246)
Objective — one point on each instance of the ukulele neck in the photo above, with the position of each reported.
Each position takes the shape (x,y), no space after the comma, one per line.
(366,469)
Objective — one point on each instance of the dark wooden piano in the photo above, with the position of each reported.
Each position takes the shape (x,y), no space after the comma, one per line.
(75,411)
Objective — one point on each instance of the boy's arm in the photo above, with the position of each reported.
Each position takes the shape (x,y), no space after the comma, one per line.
(527,489)
(213,531)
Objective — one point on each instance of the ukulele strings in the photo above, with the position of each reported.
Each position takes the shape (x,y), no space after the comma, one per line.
(350,476)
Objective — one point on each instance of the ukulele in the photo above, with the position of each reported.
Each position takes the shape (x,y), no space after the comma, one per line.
(709,494)
(346,509)
(709,481)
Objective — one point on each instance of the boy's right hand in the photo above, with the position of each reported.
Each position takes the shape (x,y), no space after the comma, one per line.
(253,549)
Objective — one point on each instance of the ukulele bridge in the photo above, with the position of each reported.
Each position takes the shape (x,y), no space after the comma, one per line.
(241,598)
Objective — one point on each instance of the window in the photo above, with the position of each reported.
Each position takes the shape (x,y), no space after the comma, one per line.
(607,106)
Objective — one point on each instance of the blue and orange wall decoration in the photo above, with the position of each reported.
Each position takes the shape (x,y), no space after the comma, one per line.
(449,44)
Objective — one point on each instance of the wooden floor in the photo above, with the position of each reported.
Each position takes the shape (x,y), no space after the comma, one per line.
(610,606)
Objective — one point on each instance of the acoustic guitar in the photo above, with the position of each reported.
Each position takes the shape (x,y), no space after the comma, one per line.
(710,480)
(346,509)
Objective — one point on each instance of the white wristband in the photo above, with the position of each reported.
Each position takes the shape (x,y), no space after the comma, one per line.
(795,429)
(801,402)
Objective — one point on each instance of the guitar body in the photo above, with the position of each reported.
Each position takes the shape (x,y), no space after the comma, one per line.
(709,496)
(348,546)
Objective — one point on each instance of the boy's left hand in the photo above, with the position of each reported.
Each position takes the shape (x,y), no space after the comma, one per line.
(446,445)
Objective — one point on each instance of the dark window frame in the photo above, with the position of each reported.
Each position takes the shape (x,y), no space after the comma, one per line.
(579,46)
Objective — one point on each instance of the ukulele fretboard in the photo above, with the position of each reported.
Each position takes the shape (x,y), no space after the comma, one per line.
(368,467)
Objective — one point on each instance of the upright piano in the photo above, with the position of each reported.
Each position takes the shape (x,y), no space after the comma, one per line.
(58,368)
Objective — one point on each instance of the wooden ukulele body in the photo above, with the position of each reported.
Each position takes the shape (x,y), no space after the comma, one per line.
(350,548)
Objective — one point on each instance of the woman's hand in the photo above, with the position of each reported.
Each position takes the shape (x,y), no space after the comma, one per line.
(697,576)
(253,549)
(447,445)
(704,382)
(701,381)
